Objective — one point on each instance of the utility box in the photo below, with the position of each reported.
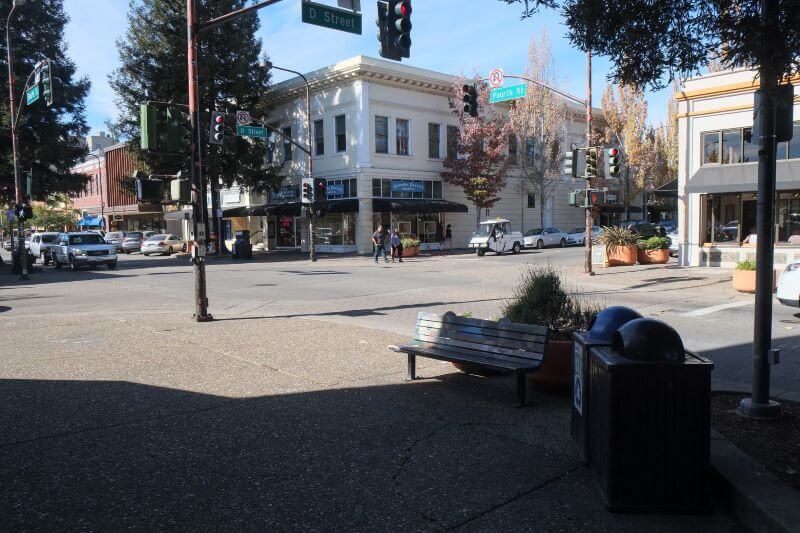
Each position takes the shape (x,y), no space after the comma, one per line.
(600,334)
(649,430)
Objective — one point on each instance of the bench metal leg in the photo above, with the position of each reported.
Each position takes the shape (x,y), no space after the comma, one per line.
(522,397)
(412,368)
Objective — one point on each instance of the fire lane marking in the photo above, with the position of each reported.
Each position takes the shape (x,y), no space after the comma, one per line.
(714,308)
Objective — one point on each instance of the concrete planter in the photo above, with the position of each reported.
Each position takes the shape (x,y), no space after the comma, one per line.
(621,255)
(745,281)
(652,257)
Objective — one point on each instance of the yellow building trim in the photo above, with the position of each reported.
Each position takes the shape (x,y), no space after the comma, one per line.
(720,110)
(731,88)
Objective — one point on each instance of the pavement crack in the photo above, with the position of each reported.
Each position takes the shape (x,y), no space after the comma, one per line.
(512,499)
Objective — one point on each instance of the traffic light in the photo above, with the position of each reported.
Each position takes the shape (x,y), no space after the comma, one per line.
(612,163)
(597,198)
(308,191)
(23,212)
(383,29)
(178,131)
(320,190)
(217,128)
(180,189)
(148,191)
(399,25)
(46,79)
(470,99)
(148,124)
(591,163)
(570,168)
(573,198)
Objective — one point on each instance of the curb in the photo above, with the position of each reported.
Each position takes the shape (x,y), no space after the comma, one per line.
(754,496)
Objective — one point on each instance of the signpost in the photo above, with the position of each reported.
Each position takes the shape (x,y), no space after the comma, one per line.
(512,92)
(496,78)
(331,17)
(252,131)
(243,118)
(33,94)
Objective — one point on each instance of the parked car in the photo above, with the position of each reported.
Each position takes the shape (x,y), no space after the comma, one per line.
(83,248)
(115,238)
(674,243)
(646,229)
(578,235)
(789,285)
(539,238)
(163,243)
(41,244)
(496,236)
(133,241)
(670,226)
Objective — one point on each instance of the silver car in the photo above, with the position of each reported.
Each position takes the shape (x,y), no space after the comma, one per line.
(539,238)
(133,241)
(115,238)
(41,244)
(81,249)
(163,243)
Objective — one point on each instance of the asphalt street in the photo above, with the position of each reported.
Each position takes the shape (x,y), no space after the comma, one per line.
(713,319)
(288,412)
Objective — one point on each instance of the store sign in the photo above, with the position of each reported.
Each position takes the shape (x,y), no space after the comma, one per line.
(232,197)
(407,186)
(335,189)
(286,193)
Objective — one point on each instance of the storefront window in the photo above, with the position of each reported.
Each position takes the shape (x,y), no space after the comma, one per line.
(794,144)
(427,227)
(750,150)
(731,146)
(342,188)
(337,229)
(788,218)
(732,217)
(711,147)
(387,188)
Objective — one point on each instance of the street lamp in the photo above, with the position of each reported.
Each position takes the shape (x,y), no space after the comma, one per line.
(266,64)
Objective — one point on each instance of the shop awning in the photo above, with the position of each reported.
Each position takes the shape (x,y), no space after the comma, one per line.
(718,179)
(395,205)
(348,205)
(90,221)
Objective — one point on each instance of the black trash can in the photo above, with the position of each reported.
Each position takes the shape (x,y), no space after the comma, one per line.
(649,430)
(600,334)
(242,248)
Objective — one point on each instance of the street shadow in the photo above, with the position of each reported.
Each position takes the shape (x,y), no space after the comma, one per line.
(660,281)
(431,455)
(4,308)
(315,272)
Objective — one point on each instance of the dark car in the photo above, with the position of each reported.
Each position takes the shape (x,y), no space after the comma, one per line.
(646,229)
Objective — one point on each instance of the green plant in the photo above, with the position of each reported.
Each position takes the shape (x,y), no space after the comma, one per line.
(747,264)
(466,314)
(542,299)
(618,237)
(409,243)
(654,243)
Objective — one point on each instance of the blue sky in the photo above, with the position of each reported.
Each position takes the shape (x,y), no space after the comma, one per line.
(490,35)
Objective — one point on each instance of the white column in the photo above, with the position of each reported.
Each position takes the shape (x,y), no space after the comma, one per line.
(362,127)
(364,225)
(549,212)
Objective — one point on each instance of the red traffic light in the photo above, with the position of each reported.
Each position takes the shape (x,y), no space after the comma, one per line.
(403,9)
(613,152)
(219,119)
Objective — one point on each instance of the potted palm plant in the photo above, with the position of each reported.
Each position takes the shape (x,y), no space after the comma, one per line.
(620,243)
(654,250)
(542,299)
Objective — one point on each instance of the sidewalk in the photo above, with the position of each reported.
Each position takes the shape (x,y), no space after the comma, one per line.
(277,424)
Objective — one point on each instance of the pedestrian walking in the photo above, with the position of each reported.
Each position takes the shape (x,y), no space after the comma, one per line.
(397,245)
(448,239)
(379,240)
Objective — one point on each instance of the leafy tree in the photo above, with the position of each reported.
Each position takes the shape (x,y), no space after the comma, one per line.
(50,138)
(481,164)
(54,214)
(665,142)
(153,67)
(539,123)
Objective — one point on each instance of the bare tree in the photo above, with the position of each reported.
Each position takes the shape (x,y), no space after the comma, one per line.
(538,126)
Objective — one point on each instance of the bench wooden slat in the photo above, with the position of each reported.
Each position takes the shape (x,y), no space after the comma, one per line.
(442,354)
(455,351)
(478,347)
(486,331)
(503,325)
(474,335)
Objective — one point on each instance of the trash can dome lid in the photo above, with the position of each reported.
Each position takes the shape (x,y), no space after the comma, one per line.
(648,339)
(609,320)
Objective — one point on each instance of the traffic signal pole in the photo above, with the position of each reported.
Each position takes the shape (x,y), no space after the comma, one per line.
(587,261)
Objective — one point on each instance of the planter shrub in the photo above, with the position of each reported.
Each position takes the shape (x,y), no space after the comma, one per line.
(654,250)
(744,277)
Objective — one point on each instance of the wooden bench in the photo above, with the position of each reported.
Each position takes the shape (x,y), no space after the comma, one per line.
(503,345)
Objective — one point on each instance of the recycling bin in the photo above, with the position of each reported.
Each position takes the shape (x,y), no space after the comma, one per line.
(649,430)
(600,334)
(242,248)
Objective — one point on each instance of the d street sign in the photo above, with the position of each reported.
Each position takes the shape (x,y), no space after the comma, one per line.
(32,95)
(331,17)
(252,131)
(512,92)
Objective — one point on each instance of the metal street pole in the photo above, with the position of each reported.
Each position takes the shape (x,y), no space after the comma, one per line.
(22,256)
(199,205)
(587,262)
(759,405)
(309,155)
